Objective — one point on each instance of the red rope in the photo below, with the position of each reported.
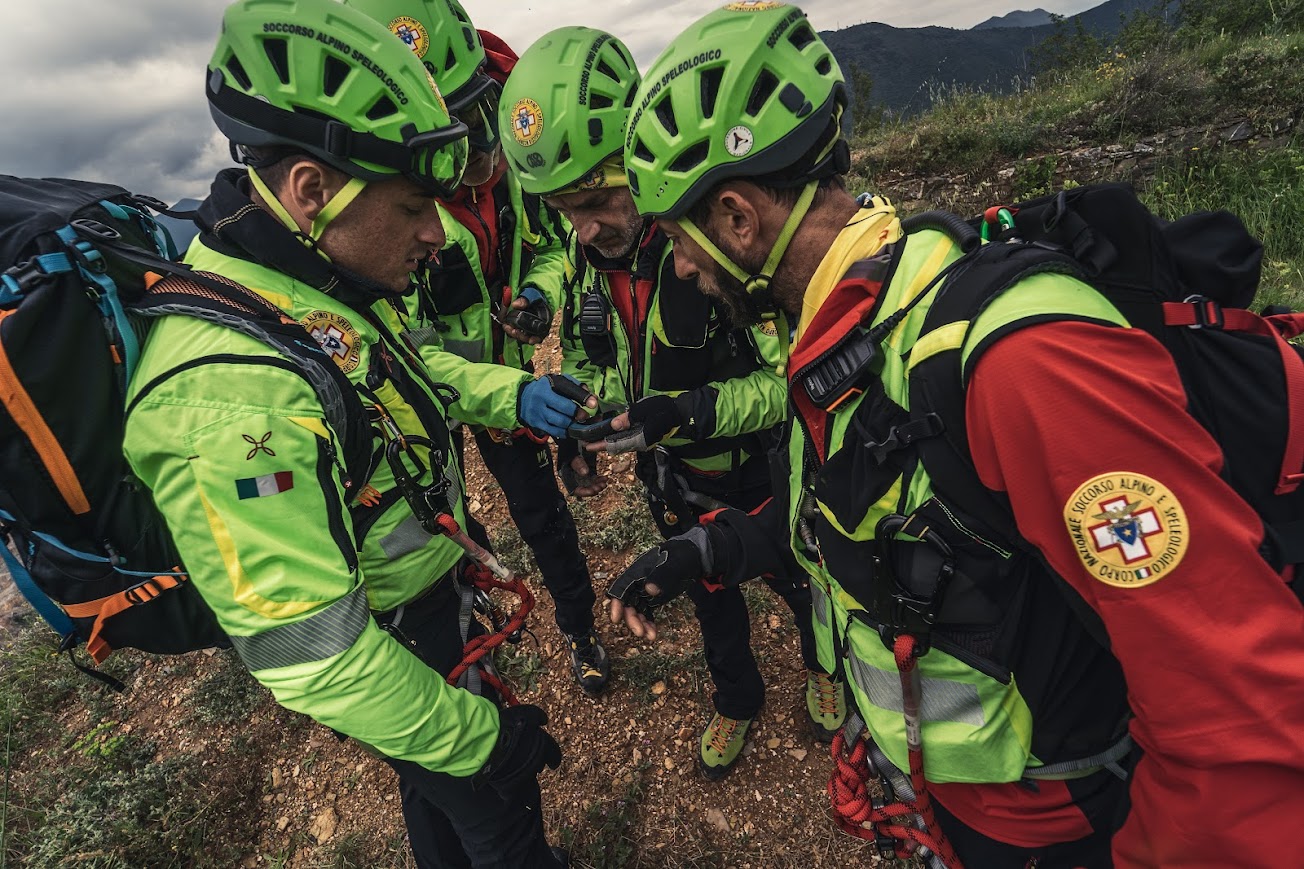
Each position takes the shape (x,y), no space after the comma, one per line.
(484,644)
(853,808)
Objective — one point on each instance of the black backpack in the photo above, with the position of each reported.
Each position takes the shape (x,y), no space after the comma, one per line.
(1189,283)
(83,263)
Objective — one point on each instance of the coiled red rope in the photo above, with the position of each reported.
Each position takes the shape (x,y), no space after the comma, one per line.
(854,810)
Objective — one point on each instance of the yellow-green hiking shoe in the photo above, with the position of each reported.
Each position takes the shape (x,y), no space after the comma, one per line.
(722,743)
(826,704)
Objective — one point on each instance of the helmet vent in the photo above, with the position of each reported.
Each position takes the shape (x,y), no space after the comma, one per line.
(825,65)
(629,97)
(333,75)
(605,68)
(468,33)
(801,37)
(641,152)
(666,115)
(450,62)
(710,87)
(237,71)
(382,108)
(595,131)
(766,83)
(689,158)
(795,101)
(598,101)
(278,55)
(564,155)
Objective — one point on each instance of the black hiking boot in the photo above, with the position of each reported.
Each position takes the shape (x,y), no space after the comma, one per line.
(589,662)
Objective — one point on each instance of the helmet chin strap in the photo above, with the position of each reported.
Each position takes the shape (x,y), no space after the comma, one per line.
(758,285)
(331,210)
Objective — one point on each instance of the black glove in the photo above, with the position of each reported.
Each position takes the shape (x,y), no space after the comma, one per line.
(524,748)
(652,420)
(535,319)
(671,567)
(568,449)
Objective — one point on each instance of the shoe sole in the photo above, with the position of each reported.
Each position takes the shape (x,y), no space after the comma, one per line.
(715,773)
(820,733)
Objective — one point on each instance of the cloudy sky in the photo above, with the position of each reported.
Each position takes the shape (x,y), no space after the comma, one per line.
(112,90)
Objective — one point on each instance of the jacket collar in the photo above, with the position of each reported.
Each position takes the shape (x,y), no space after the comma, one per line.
(234,225)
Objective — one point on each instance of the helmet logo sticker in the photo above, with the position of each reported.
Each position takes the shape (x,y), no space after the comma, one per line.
(527,122)
(412,32)
(753,6)
(1128,530)
(337,337)
(535,159)
(739,140)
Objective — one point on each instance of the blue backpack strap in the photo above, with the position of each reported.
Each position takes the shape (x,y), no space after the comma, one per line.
(48,609)
(110,303)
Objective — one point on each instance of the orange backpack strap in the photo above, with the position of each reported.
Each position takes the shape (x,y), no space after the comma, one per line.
(106,608)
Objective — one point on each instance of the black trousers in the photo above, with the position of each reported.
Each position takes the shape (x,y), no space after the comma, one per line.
(524,470)
(722,615)
(450,823)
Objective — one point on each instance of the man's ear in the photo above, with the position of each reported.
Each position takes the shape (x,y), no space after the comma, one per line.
(737,217)
(308,187)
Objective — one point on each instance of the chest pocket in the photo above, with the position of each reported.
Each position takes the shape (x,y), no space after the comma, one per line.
(453,285)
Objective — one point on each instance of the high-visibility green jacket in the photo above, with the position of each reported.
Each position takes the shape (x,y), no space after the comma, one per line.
(681,343)
(454,312)
(233,444)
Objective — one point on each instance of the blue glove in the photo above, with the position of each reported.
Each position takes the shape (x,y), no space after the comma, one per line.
(541,407)
(535,319)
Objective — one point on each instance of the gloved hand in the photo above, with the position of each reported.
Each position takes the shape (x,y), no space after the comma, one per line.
(523,749)
(660,575)
(578,469)
(540,406)
(651,421)
(529,318)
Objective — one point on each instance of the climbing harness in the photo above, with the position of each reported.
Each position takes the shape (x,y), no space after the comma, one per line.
(484,573)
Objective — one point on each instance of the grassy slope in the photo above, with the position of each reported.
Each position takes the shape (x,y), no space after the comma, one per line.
(970,137)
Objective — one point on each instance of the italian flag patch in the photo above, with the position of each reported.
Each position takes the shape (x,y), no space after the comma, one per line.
(268,484)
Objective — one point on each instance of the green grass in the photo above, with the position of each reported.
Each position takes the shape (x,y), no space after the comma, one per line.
(627,526)
(1264,188)
(607,839)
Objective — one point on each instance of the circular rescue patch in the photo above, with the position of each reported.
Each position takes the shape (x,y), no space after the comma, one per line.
(527,121)
(412,32)
(739,140)
(1128,529)
(337,337)
(753,6)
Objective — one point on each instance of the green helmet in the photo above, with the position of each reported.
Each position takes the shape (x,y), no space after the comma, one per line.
(441,35)
(318,76)
(566,104)
(744,92)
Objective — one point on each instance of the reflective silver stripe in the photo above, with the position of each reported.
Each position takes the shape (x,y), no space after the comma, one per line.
(409,536)
(320,636)
(471,351)
(1108,758)
(422,336)
(819,603)
(942,700)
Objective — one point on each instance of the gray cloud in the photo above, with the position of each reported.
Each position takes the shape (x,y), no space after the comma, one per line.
(112,91)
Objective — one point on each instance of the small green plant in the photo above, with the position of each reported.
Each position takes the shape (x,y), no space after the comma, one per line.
(627,526)
(520,666)
(230,694)
(644,671)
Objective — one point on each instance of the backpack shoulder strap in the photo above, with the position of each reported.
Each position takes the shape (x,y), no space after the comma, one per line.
(226,303)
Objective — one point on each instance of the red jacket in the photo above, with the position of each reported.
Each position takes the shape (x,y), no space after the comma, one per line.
(1213,654)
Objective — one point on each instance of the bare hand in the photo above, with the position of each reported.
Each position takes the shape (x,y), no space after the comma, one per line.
(638,624)
(516,334)
(587,483)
